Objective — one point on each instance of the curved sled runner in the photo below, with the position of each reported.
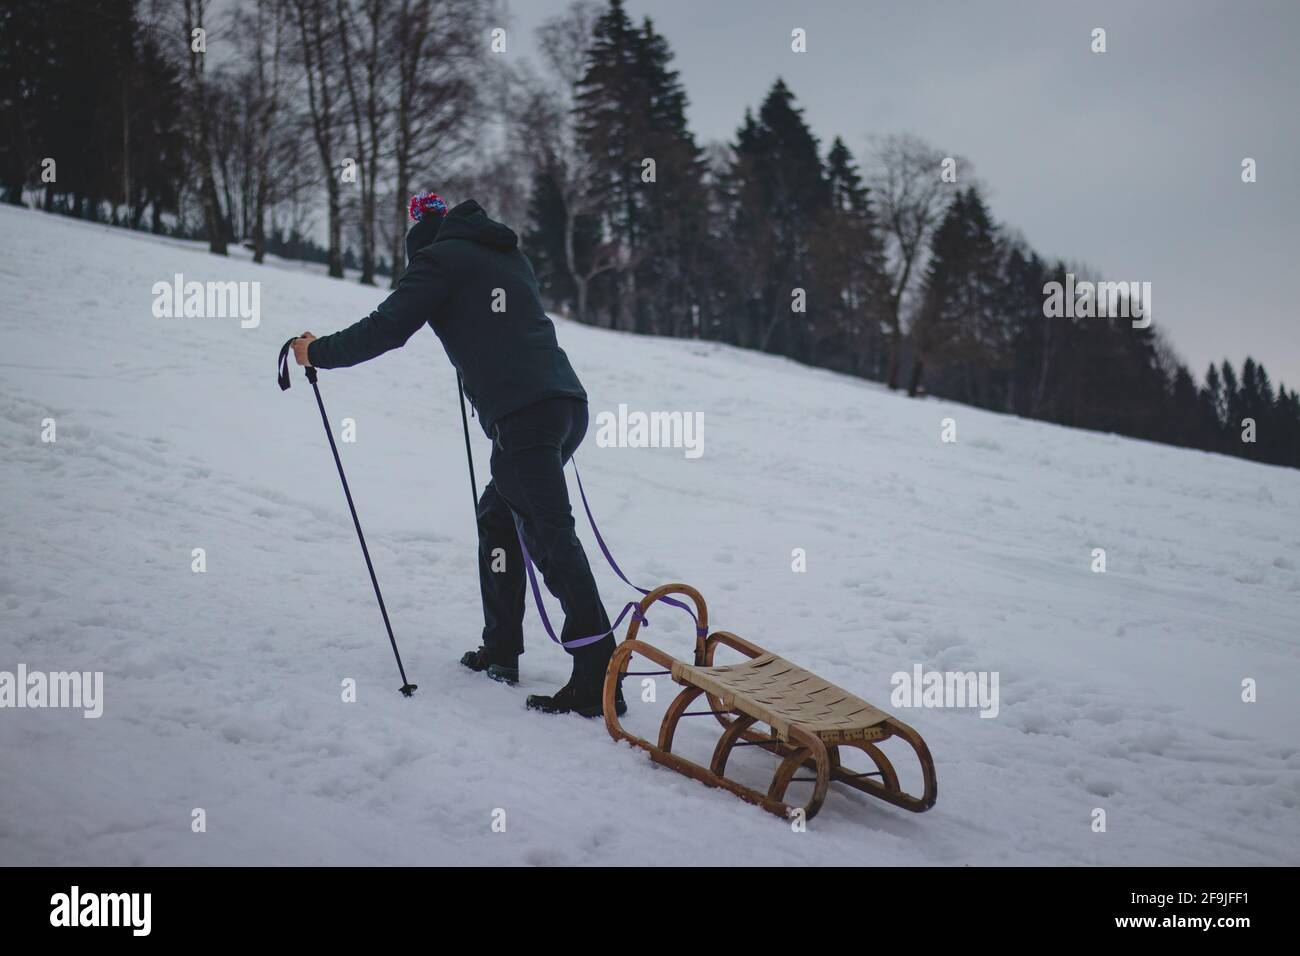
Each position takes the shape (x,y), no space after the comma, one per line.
(808,719)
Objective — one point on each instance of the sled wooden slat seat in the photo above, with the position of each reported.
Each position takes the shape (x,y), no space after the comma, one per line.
(780,693)
(808,719)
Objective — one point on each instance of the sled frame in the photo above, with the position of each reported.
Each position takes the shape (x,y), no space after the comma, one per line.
(796,746)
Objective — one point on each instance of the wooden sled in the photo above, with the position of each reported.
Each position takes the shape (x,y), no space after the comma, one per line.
(808,719)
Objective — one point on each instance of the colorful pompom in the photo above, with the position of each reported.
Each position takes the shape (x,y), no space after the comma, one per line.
(423,202)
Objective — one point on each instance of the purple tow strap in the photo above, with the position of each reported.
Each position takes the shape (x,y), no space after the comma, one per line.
(631,607)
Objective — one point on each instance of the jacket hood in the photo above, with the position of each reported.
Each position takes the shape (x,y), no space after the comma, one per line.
(467,221)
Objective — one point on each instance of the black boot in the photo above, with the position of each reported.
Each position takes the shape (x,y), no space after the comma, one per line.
(480,660)
(585,691)
(585,702)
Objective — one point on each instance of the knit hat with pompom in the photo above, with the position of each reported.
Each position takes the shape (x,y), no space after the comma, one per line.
(427,212)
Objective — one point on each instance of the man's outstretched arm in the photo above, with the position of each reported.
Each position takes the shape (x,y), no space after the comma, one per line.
(419,294)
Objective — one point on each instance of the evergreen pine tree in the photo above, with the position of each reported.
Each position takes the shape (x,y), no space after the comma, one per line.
(1231,408)
(633,108)
(781,197)
(673,222)
(848,256)
(962,324)
(1035,337)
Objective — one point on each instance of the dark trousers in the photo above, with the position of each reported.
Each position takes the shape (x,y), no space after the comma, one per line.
(529,450)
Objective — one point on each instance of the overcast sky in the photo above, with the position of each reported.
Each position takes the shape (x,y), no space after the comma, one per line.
(1128,161)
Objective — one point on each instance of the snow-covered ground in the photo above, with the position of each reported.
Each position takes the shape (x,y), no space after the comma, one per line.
(1120,691)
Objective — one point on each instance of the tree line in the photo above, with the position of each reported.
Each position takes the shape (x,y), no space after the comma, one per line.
(263,122)
(282,122)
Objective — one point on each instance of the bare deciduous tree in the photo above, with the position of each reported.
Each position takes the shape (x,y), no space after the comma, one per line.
(320,72)
(910,197)
(194,14)
(551,121)
(437,79)
(365,61)
(267,25)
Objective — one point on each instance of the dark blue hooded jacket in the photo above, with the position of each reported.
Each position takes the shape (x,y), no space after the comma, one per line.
(467,278)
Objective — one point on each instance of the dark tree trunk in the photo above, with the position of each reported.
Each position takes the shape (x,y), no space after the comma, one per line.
(915,384)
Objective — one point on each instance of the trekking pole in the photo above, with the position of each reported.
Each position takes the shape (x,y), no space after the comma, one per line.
(407,687)
(469,454)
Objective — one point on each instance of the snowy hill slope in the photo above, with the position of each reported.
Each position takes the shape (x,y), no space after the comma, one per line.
(1119,691)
